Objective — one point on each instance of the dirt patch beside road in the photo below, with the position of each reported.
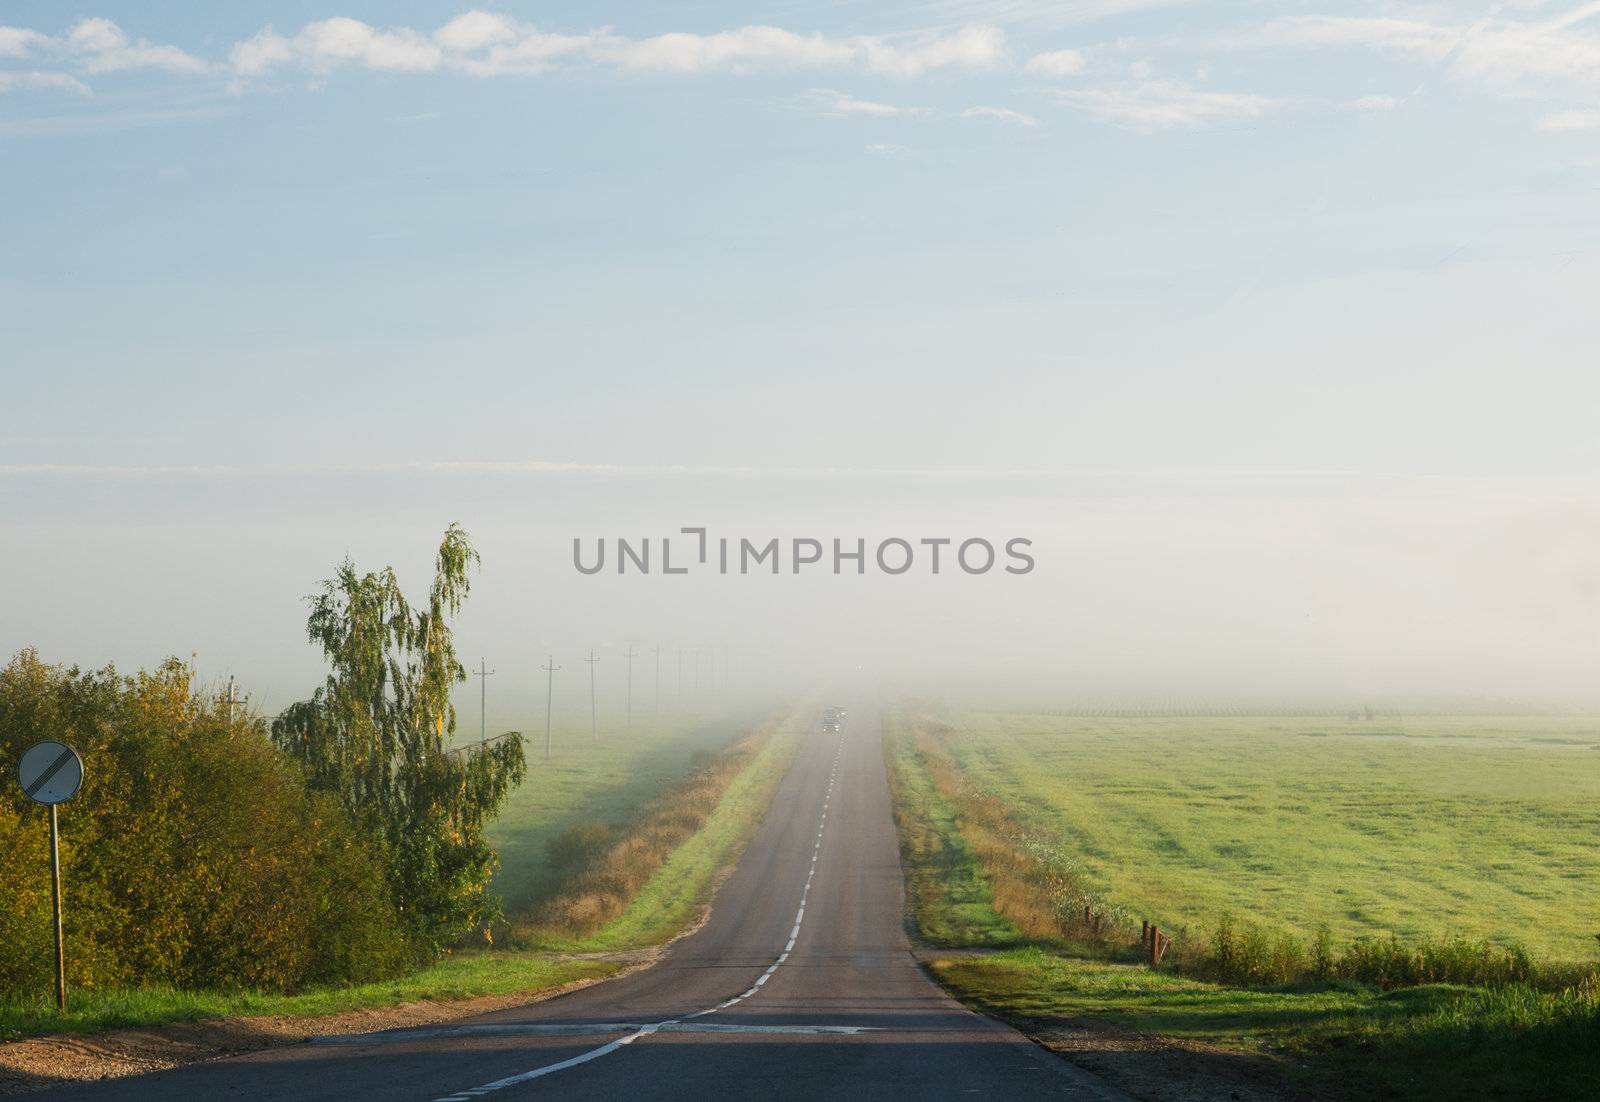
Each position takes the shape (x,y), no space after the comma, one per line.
(38,1063)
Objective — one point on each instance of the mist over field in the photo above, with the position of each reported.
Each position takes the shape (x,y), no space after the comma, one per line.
(1213,586)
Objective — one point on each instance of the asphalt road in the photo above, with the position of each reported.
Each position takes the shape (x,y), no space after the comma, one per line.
(801,985)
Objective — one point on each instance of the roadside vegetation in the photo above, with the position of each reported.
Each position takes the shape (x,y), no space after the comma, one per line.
(194,856)
(343,857)
(1236,1003)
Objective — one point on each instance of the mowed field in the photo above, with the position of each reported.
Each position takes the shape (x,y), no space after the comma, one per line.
(1419,826)
(593,781)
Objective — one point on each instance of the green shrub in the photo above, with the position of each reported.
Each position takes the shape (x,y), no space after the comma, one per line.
(193,855)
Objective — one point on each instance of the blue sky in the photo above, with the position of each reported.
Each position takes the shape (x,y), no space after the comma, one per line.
(252,248)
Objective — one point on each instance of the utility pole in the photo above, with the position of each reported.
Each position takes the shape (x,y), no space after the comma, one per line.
(483,673)
(230,699)
(630,686)
(592,660)
(658,683)
(550,669)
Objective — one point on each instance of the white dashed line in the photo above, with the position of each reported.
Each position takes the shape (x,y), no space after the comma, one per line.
(644,1031)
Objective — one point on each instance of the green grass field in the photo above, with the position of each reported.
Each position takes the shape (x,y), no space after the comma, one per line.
(1171,1037)
(585,781)
(1421,826)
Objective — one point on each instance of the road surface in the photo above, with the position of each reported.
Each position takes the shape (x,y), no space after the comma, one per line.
(801,985)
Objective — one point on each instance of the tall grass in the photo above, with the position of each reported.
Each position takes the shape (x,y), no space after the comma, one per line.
(1032,881)
(607,871)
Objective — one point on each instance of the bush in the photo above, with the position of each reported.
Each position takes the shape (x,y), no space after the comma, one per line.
(193,855)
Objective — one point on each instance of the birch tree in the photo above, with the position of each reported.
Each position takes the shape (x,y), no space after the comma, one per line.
(376,736)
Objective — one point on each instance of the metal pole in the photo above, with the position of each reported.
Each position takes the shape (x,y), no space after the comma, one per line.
(55,893)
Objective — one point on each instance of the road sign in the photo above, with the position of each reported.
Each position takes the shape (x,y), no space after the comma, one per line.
(50,772)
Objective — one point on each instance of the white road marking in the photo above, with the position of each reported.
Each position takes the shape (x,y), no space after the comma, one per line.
(671,1023)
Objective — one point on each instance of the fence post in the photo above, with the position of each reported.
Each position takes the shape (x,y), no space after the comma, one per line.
(1144,931)
(1155,946)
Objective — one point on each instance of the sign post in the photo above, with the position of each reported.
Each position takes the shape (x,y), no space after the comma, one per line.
(51,773)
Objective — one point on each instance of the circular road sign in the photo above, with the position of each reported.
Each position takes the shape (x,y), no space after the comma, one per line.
(50,772)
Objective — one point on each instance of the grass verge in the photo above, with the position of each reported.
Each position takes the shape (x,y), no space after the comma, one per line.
(465,975)
(1161,1036)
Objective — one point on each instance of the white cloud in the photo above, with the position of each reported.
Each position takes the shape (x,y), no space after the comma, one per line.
(476,30)
(1499,51)
(885,149)
(830,102)
(331,43)
(1157,105)
(61,81)
(1375,103)
(264,51)
(1056,63)
(105,48)
(533,52)
(1564,121)
(486,44)
(969,47)
(19,41)
(692,53)
(1002,114)
(739,50)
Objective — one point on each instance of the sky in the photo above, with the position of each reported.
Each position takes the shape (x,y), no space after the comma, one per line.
(1271,326)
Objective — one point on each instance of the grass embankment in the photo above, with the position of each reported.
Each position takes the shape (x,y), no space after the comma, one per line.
(646,885)
(980,874)
(723,795)
(589,781)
